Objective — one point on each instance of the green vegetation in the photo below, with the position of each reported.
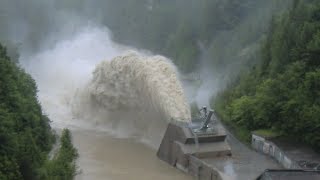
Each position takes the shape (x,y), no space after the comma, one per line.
(267,133)
(62,165)
(230,30)
(25,134)
(282,92)
(226,33)
(277,92)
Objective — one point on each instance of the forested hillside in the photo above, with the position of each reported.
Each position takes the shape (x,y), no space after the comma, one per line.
(278,88)
(282,92)
(25,133)
(226,33)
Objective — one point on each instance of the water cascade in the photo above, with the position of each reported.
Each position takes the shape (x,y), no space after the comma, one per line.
(135,95)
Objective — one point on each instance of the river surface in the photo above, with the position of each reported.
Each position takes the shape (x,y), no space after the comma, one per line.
(106,157)
(103,157)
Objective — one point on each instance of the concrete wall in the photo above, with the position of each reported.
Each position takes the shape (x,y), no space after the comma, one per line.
(172,147)
(267,147)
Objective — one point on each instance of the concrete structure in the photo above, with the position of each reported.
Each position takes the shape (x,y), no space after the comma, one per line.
(289,175)
(184,149)
(208,156)
(287,154)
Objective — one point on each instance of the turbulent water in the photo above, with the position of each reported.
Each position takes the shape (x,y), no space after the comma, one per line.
(117,108)
(134,94)
(138,82)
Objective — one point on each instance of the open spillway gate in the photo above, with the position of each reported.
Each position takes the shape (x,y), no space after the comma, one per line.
(184,148)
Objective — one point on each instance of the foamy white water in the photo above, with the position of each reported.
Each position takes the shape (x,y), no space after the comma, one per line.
(66,67)
(139,82)
(65,70)
(135,95)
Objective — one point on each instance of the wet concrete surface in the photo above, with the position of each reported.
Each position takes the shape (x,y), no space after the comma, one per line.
(212,159)
(303,154)
(244,164)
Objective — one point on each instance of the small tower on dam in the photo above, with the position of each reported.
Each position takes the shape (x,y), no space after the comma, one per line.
(185,145)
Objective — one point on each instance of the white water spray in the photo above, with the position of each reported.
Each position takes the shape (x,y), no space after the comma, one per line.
(66,67)
(132,95)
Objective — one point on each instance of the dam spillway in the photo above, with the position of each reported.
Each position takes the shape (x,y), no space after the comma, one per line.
(142,96)
(181,148)
(100,137)
(215,155)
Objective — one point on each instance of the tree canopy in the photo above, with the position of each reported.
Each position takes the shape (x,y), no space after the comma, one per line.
(282,91)
(25,133)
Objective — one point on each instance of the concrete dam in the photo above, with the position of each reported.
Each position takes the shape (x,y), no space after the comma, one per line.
(142,96)
(130,117)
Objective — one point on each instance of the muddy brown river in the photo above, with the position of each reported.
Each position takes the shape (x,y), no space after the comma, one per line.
(103,157)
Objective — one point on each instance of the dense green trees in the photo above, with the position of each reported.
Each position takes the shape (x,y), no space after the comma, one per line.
(62,165)
(25,134)
(282,91)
